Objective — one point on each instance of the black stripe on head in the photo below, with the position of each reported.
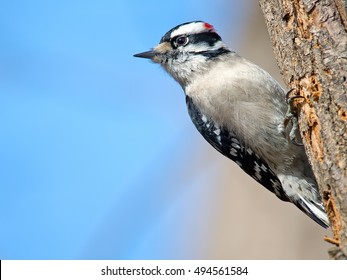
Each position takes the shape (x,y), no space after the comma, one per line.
(167,35)
(208,38)
(214,53)
(205,37)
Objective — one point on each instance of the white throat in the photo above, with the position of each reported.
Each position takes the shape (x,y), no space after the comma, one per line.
(186,66)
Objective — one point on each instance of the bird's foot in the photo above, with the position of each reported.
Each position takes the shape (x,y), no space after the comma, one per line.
(292,116)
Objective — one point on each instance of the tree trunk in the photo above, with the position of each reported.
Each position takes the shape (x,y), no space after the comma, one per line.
(310,43)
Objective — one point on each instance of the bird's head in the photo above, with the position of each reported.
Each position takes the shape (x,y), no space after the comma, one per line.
(187,49)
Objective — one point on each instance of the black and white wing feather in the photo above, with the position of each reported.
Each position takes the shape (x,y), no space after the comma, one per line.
(231,146)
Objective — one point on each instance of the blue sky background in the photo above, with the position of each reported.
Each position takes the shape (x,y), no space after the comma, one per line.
(95,144)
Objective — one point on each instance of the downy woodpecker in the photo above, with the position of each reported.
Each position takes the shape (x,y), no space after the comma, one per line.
(240,110)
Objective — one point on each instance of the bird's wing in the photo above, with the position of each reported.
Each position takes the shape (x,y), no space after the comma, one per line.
(230,145)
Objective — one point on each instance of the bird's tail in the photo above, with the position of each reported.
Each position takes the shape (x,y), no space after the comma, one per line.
(314,210)
(303,192)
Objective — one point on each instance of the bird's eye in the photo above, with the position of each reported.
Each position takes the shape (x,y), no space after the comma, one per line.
(181,41)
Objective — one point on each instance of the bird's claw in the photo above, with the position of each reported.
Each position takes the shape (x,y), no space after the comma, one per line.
(291,116)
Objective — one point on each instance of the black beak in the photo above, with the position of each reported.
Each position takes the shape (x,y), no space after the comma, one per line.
(149,54)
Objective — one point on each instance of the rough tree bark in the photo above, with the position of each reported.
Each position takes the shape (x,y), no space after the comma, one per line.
(310,44)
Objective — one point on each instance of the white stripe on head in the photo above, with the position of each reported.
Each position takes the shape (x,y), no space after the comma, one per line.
(203,46)
(192,28)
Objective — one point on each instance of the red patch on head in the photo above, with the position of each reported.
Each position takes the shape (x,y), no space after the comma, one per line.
(209,26)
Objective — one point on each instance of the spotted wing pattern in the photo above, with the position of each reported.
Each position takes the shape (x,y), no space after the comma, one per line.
(231,146)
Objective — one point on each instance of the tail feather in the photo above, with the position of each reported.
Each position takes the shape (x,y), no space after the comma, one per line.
(303,192)
(315,211)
